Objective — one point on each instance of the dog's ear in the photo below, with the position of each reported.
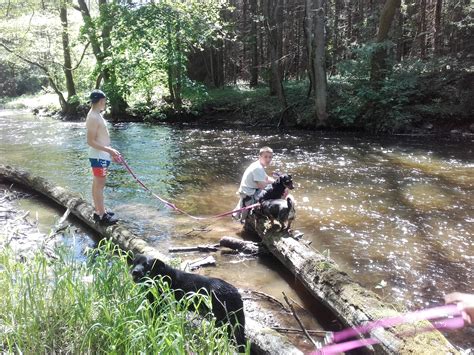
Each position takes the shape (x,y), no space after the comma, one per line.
(289,177)
(278,180)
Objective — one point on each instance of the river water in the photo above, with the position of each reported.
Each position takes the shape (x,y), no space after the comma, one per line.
(396,213)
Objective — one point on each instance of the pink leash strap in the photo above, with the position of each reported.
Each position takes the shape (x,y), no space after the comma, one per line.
(426,314)
(172,205)
(442,324)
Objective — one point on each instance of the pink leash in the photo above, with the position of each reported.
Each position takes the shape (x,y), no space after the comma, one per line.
(172,205)
(426,314)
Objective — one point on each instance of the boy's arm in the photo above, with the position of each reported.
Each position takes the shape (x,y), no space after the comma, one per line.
(261,178)
(263,184)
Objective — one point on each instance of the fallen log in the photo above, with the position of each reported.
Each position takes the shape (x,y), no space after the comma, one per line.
(243,246)
(263,339)
(82,210)
(350,302)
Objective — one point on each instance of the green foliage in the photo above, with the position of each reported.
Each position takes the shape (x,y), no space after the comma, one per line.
(67,306)
(151,43)
(382,108)
(17,79)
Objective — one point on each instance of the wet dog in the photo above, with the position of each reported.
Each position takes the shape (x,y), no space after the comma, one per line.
(277,189)
(281,210)
(227,304)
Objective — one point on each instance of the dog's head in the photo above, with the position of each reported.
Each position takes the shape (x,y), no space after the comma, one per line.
(285,180)
(143,265)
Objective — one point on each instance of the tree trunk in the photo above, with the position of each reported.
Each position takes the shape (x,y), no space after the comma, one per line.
(349,301)
(254,44)
(320,65)
(379,57)
(118,105)
(400,50)
(178,102)
(170,63)
(308,34)
(422,29)
(70,107)
(335,42)
(272,10)
(437,36)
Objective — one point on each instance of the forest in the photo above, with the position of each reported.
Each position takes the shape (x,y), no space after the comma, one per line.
(387,66)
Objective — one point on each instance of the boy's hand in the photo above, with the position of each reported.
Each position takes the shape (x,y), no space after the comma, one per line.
(116,156)
(466,301)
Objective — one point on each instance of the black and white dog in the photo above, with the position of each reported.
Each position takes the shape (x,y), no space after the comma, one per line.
(227,304)
(281,210)
(277,189)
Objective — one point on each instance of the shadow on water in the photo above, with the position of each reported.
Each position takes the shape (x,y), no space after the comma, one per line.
(392,209)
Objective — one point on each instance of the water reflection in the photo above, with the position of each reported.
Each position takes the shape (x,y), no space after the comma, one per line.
(399,210)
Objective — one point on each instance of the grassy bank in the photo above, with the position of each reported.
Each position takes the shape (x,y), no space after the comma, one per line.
(70,307)
(30,102)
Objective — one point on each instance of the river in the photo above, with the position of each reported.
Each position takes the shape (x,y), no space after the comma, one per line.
(396,213)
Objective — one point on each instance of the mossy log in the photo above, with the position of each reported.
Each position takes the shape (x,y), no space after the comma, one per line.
(264,340)
(350,302)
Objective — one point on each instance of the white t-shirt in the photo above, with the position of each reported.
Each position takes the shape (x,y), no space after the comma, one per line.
(254,174)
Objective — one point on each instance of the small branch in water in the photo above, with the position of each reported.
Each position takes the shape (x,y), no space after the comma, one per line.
(201,248)
(271,298)
(196,264)
(299,321)
(318,333)
(203,229)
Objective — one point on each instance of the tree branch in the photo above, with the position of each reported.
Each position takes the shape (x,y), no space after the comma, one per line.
(42,67)
(9,50)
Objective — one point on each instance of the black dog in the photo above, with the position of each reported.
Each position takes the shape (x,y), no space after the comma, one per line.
(280,210)
(227,304)
(276,189)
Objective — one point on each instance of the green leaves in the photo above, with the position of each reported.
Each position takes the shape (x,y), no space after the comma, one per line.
(151,43)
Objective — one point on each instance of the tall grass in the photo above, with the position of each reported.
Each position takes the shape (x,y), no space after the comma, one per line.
(95,307)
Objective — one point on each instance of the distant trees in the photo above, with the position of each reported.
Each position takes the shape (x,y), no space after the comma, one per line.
(33,39)
(135,50)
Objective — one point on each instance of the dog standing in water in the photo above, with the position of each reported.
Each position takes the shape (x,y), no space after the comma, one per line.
(227,304)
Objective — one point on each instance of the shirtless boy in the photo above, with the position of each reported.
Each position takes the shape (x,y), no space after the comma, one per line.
(100,155)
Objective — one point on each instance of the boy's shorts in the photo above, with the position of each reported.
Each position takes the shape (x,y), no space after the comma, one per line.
(99,167)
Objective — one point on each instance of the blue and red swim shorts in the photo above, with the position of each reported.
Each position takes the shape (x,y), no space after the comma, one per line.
(99,166)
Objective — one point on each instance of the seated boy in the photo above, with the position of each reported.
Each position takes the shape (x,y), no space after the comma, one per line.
(254,179)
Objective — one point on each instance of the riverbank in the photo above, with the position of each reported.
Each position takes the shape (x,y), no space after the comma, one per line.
(436,103)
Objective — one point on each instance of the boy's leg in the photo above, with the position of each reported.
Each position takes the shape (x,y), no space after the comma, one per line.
(98,184)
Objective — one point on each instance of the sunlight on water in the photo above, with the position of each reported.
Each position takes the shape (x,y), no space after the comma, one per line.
(398,210)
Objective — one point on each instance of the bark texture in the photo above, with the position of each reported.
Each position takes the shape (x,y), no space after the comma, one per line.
(349,301)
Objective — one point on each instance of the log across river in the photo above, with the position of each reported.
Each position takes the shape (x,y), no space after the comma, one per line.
(347,300)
